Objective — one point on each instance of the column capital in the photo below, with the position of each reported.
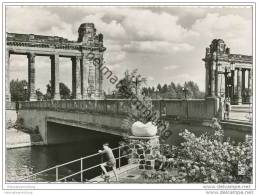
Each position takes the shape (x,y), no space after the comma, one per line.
(31,57)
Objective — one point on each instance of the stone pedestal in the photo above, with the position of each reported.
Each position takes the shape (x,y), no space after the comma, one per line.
(143,151)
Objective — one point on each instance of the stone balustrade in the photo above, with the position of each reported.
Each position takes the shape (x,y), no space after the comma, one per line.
(181,109)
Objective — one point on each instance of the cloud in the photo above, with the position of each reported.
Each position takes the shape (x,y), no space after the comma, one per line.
(147,38)
(235,30)
(171,67)
(156,47)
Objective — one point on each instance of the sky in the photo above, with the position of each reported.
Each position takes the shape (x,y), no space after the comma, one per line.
(164,43)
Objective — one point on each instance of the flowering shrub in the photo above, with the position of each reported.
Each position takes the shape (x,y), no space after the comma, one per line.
(210,160)
(205,159)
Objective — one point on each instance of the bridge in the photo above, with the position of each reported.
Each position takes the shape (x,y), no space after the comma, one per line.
(226,76)
(106,116)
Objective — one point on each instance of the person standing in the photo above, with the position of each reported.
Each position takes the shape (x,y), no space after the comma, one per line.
(111,161)
(227,109)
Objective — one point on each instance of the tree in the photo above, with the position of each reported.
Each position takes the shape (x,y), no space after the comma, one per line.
(130,84)
(17,89)
(65,92)
(39,94)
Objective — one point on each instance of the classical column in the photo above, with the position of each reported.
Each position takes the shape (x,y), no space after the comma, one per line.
(31,77)
(206,79)
(96,64)
(7,75)
(239,82)
(76,78)
(213,85)
(55,76)
(232,81)
(216,80)
(249,81)
(249,86)
(84,76)
(100,77)
(243,82)
(226,84)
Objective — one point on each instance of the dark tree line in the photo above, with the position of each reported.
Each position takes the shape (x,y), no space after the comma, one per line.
(174,91)
(19,91)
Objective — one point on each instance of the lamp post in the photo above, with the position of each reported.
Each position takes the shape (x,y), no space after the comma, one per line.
(185,90)
(229,76)
(25,92)
(136,82)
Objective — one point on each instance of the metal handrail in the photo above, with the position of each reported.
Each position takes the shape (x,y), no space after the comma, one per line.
(89,168)
(73,161)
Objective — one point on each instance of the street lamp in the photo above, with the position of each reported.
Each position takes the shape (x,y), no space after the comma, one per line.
(185,90)
(25,91)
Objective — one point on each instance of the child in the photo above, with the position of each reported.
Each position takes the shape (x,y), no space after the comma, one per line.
(111,160)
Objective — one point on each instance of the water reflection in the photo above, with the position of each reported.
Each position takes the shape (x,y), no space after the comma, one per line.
(21,162)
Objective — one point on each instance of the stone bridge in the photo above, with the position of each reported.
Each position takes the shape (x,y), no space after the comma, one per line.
(106,116)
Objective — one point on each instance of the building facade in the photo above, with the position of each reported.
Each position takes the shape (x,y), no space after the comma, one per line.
(86,76)
(228,75)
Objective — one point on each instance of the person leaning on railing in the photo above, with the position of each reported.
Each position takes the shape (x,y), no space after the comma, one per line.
(110,163)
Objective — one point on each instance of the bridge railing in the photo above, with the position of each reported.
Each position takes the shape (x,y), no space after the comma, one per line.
(82,171)
(185,109)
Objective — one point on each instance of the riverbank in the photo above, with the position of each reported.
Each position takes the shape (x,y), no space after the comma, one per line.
(17,139)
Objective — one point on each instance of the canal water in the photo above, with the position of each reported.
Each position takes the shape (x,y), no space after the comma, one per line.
(21,162)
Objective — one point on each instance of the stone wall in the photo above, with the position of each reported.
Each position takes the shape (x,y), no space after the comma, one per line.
(143,151)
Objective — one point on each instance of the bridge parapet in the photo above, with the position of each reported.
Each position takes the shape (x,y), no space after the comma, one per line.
(201,109)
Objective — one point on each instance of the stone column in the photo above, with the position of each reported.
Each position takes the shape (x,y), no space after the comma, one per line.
(31,77)
(249,86)
(84,76)
(239,82)
(97,76)
(213,84)
(100,76)
(226,84)
(76,78)
(206,79)
(232,81)
(249,80)
(7,75)
(243,82)
(216,80)
(55,76)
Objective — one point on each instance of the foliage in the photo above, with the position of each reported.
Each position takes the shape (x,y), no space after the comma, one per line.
(39,94)
(17,90)
(173,91)
(132,82)
(9,124)
(206,159)
(65,92)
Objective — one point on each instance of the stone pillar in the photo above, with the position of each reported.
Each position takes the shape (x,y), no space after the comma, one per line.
(31,77)
(7,75)
(76,78)
(226,84)
(249,86)
(216,80)
(206,79)
(239,94)
(143,151)
(84,76)
(55,77)
(212,80)
(243,82)
(97,76)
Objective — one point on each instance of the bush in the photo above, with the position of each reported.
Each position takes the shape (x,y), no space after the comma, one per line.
(210,160)
(205,159)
